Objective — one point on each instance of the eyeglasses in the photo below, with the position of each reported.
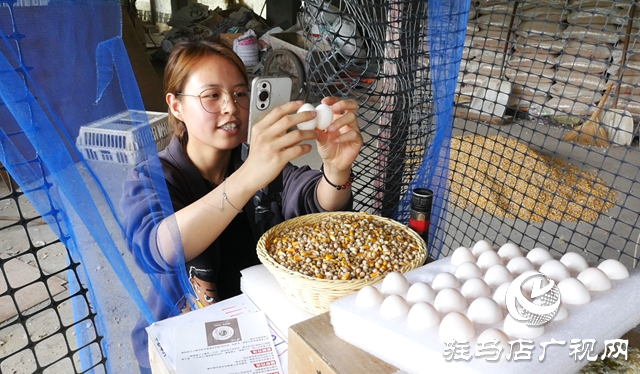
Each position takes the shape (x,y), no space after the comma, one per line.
(214,100)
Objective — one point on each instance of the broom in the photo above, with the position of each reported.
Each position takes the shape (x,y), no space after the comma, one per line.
(590,132)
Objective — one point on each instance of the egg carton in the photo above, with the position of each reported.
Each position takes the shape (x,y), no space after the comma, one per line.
(408,320)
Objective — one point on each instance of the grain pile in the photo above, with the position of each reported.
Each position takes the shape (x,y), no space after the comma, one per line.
(345,247)
(506,178)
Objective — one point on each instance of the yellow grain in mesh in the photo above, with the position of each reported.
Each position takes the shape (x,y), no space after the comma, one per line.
(506,178)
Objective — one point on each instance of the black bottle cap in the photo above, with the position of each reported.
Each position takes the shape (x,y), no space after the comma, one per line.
(421,200)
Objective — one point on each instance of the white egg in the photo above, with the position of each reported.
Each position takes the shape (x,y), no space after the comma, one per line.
(574,262)
(456,326)
(573,292)
(484,310)
(480,247)
(494,334)
(324,116)
(520,330)
(519,265)
(395,284)
(562,313)
(497,275)
(310,124)
(445,280)
(394,306)
(422,316)
(488,259)
(539,256)
(500,295)
(368,296)
(509,251)
(474,288)
(468,270)
(450,300)
(594,279)
(420,292)
(462,255)
(555,270)
(614,269)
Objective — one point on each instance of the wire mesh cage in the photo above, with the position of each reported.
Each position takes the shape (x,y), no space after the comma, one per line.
(560,169)
(375,53)
(544,149)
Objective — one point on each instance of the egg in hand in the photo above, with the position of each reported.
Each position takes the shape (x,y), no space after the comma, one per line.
(323,119)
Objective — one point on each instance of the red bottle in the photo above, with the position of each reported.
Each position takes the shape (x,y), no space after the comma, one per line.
(420,216)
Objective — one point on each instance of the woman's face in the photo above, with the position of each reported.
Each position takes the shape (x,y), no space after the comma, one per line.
(223,130)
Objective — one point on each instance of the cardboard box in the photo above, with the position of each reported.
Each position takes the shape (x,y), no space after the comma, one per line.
(314,348)
(229,38)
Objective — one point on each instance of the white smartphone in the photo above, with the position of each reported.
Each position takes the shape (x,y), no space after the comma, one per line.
(267,93)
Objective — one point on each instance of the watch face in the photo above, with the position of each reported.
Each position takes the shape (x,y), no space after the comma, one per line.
(223,333)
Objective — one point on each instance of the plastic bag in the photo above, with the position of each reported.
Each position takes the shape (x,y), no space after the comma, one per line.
(558,104)
(246,47)
(468,66)
(539,60)
(601,34)
(632,55)
(491,44)
(493,33)
(491,7)
(490,57)
(634,35)
(472,29)
(576,4)
(594,82)
(538,97)
(582,95)
(474,80)
(496,20)
(583,49)
(544,28)
(521,90)
(631,68)
(472,12)
(543,13)
(535,82)
(490,70)
(533,43)
(596,16)
(629,89)
(582,64)
(519,76)
(470,53)
(632,104)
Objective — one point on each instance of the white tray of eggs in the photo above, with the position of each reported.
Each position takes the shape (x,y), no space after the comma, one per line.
(406,319)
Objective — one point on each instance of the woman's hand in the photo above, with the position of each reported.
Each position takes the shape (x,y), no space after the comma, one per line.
(341,143)
(272,147)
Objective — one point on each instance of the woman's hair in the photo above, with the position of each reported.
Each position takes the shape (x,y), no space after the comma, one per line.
(181,61)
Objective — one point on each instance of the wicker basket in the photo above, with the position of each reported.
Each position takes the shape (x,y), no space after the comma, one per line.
(313,294)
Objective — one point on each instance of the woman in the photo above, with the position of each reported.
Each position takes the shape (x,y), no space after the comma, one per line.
(211,189)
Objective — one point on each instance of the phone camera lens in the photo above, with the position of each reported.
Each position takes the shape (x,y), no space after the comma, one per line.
(264,85)
(263,96)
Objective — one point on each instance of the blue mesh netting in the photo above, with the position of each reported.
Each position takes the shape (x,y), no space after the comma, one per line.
(64,65)
(76,71)
(446,34)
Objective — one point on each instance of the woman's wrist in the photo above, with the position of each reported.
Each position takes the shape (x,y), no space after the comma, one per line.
(338,179)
